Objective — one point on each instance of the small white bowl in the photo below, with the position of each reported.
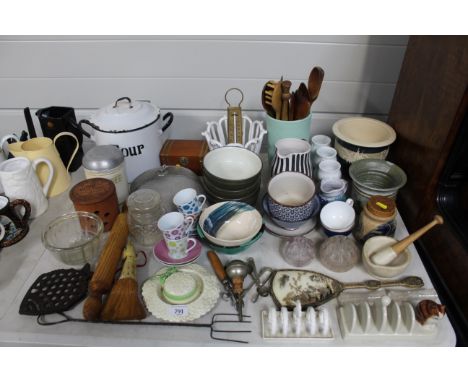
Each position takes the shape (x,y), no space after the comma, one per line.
(238,230)
(395,268)
(338,216)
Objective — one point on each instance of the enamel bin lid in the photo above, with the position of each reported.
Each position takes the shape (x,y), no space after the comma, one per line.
(126,115)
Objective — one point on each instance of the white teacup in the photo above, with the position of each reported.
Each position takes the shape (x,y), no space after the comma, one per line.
(323,153)
(338,217)
(329,169)
(188,202)
(178,249)
(319,140)
(174,225)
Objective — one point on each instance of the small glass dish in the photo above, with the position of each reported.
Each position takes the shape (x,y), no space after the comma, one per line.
(74,238)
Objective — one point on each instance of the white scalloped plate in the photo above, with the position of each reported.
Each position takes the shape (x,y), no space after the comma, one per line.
(158,307)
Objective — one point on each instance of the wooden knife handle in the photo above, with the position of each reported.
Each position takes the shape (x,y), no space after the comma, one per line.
(217,266)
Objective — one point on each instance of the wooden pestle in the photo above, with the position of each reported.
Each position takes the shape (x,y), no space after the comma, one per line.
(388,254)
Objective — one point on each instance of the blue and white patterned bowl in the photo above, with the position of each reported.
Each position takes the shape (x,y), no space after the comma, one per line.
(291,197)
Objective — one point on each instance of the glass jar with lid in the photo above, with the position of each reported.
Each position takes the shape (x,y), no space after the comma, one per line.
(377,218)
(144,211)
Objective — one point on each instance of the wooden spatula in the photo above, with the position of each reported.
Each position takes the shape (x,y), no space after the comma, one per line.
(272,97)
(315,83)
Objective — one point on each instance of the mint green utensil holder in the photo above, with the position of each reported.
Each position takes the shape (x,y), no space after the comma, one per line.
(278,129)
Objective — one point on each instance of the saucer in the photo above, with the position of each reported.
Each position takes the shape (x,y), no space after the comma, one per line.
(289,229)
(205,298)
(274,229)
(161,253)
(12,234)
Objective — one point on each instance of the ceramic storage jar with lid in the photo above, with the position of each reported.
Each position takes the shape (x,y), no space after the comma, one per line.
(377,218)
(97,196)
(107,161)
(144,211)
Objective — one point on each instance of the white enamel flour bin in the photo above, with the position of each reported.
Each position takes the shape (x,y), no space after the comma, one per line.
(135,128)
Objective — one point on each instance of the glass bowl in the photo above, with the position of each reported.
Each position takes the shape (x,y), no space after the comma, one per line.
(74,238)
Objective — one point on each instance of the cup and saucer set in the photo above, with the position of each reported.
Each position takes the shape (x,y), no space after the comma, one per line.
(179,245)
(13,223)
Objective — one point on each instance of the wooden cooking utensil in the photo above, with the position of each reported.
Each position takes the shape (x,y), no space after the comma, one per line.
(315,83)
(387,255)
(302,103)
(272,96)
(266,105)
(285,96)
(103,277)
(124,302)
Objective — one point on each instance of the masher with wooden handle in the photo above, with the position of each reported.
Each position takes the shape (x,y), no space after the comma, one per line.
(387,255)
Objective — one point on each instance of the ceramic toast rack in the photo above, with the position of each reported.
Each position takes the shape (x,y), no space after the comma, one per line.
(285,324)
(389,315)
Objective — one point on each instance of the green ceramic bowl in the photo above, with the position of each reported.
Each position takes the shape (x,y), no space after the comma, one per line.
(375,177)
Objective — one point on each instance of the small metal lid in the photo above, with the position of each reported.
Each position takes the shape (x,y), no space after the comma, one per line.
(102,158)
(143,199)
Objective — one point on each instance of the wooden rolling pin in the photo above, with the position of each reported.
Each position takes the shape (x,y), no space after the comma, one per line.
(103,277)
(387,255)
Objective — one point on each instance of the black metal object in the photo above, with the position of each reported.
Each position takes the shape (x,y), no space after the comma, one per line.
(214,325)
(56,291)
(58,119)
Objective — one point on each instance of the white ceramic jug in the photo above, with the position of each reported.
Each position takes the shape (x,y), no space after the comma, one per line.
(20,181)
(292,154)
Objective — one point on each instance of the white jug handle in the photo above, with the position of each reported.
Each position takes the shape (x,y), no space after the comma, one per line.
(6,138)
(350,202)
(46,186)
(63,133)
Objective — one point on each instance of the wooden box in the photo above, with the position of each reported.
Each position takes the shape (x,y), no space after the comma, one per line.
(184,152)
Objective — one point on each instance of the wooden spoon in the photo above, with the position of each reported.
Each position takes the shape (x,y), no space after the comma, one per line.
(302,103)
(315,83)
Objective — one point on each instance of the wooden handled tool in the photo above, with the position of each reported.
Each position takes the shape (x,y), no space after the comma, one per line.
(315,83)
(388,254)
(103,277)
(124,302)
(285,96)
(218,267)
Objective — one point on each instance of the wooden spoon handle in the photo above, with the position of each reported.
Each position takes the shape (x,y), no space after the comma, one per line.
(285,95)
(402,244)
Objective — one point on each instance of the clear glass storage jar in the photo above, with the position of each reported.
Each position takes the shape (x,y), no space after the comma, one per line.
(144,211)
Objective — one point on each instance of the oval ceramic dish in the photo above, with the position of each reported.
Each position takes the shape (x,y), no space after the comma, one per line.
(228,250)
(360,138)
(230,224)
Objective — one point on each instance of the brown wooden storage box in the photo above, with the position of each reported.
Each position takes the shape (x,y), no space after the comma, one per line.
(184,152)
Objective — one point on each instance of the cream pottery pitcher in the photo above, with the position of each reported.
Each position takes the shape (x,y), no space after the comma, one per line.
(293,155)
(19,181)
(45,148)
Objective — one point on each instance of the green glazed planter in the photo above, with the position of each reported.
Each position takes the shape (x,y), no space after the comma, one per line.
(375,177)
